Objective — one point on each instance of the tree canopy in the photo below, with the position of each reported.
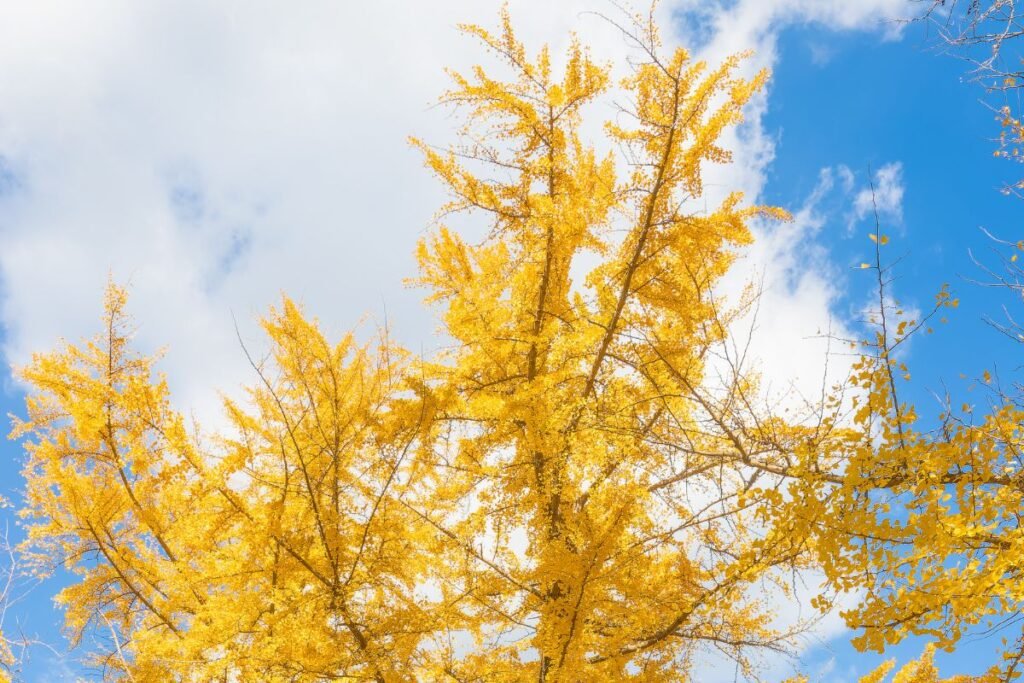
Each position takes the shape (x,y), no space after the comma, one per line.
(586,483)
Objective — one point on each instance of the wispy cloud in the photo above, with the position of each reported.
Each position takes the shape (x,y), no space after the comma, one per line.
(884,193)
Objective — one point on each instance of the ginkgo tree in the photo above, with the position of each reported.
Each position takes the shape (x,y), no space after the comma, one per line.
(581,414)
(584,484)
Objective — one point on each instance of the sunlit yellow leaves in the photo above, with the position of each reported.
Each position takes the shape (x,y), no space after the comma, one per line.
(363,508)
(586,481)
(923,523)
(291,525)
(921,670)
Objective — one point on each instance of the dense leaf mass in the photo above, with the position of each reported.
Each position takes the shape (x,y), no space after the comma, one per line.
(585,484)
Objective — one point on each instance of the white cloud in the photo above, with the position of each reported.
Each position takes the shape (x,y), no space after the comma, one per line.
(885,193)
(821,53)
(846,177)
(793,610)
(795,318)
(217,154)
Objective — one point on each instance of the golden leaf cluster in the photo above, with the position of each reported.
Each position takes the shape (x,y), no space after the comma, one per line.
(585,485)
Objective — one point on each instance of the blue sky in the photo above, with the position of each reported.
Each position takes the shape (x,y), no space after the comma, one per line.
(876,103)
(214,159)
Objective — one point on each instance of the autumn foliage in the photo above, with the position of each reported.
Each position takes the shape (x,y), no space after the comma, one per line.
(586,484)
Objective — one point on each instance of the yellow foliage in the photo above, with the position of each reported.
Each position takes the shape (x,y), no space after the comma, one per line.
(925,525)
(582,487)
(563,481)
(921,670)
